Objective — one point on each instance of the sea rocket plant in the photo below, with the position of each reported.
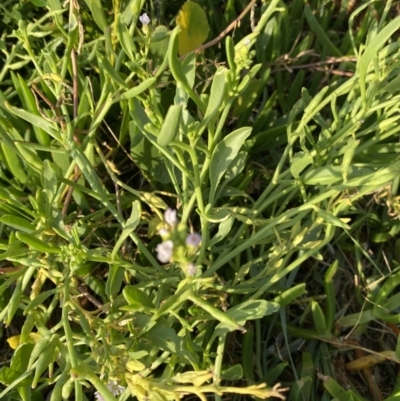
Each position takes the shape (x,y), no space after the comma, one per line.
(177,245)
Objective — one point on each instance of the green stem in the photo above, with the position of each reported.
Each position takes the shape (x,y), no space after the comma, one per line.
(218,363)
(8,61)
(185,182)
(196,179)
(68,332)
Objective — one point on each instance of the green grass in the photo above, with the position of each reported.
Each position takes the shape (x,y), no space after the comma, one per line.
(278,148)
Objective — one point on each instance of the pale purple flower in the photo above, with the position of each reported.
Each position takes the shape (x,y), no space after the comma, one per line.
(193,240)
(164,251)
(144,19)
(191,269)
(113,387)
(171,218)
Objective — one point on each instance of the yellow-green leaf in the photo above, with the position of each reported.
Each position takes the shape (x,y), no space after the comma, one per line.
(194,27)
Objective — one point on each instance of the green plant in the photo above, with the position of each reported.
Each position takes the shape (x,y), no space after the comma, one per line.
(248,174)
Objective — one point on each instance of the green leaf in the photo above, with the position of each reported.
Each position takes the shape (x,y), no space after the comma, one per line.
(252,309)
(146,156)
(55,5)
(85,372)
(224,318)
(20,358)
(236,167)
(129,227)
(9,376)
(335,390)
(56,394)
(97,10)
(13,304)
(170,127)
(30,157)
(38,300)
(350,149)
(320,33)
(178,71)
(41,135)
(159,43)
(49,179)
(165,338)
(217,94)
(224,153)
(230,52)
(329,286)
(137,90)
(137,299)
(125,39)
(232,373)
(114,280)
(27,328)
(13,163)
(319,319)
(109,69)
(372,49)
(247,354)
(45,358)
(286,297)
(300,161)
(224,229)
(37,121)
(36,243)
(14,250)
(38,349)
(18,223)
(331,219)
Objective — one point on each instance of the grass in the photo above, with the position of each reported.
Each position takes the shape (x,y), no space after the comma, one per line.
(215,226)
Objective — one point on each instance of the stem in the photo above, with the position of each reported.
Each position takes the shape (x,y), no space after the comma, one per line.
(8,61)
(68,332)
(218,363)
(185,182)
(196,179)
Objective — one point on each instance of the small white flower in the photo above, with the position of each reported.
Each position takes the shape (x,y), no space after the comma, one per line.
(144,19)
(171,218)
(164,251)
(191,269)
(193,239)
(115,389)
(98,396)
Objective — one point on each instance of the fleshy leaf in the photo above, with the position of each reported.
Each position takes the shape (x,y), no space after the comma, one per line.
(194,27)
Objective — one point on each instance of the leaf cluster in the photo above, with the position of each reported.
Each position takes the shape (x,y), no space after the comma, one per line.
(279,151)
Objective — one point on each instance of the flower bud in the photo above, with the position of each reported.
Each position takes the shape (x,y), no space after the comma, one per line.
(191,270)
(193,240)
(171,218)
(163,233)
